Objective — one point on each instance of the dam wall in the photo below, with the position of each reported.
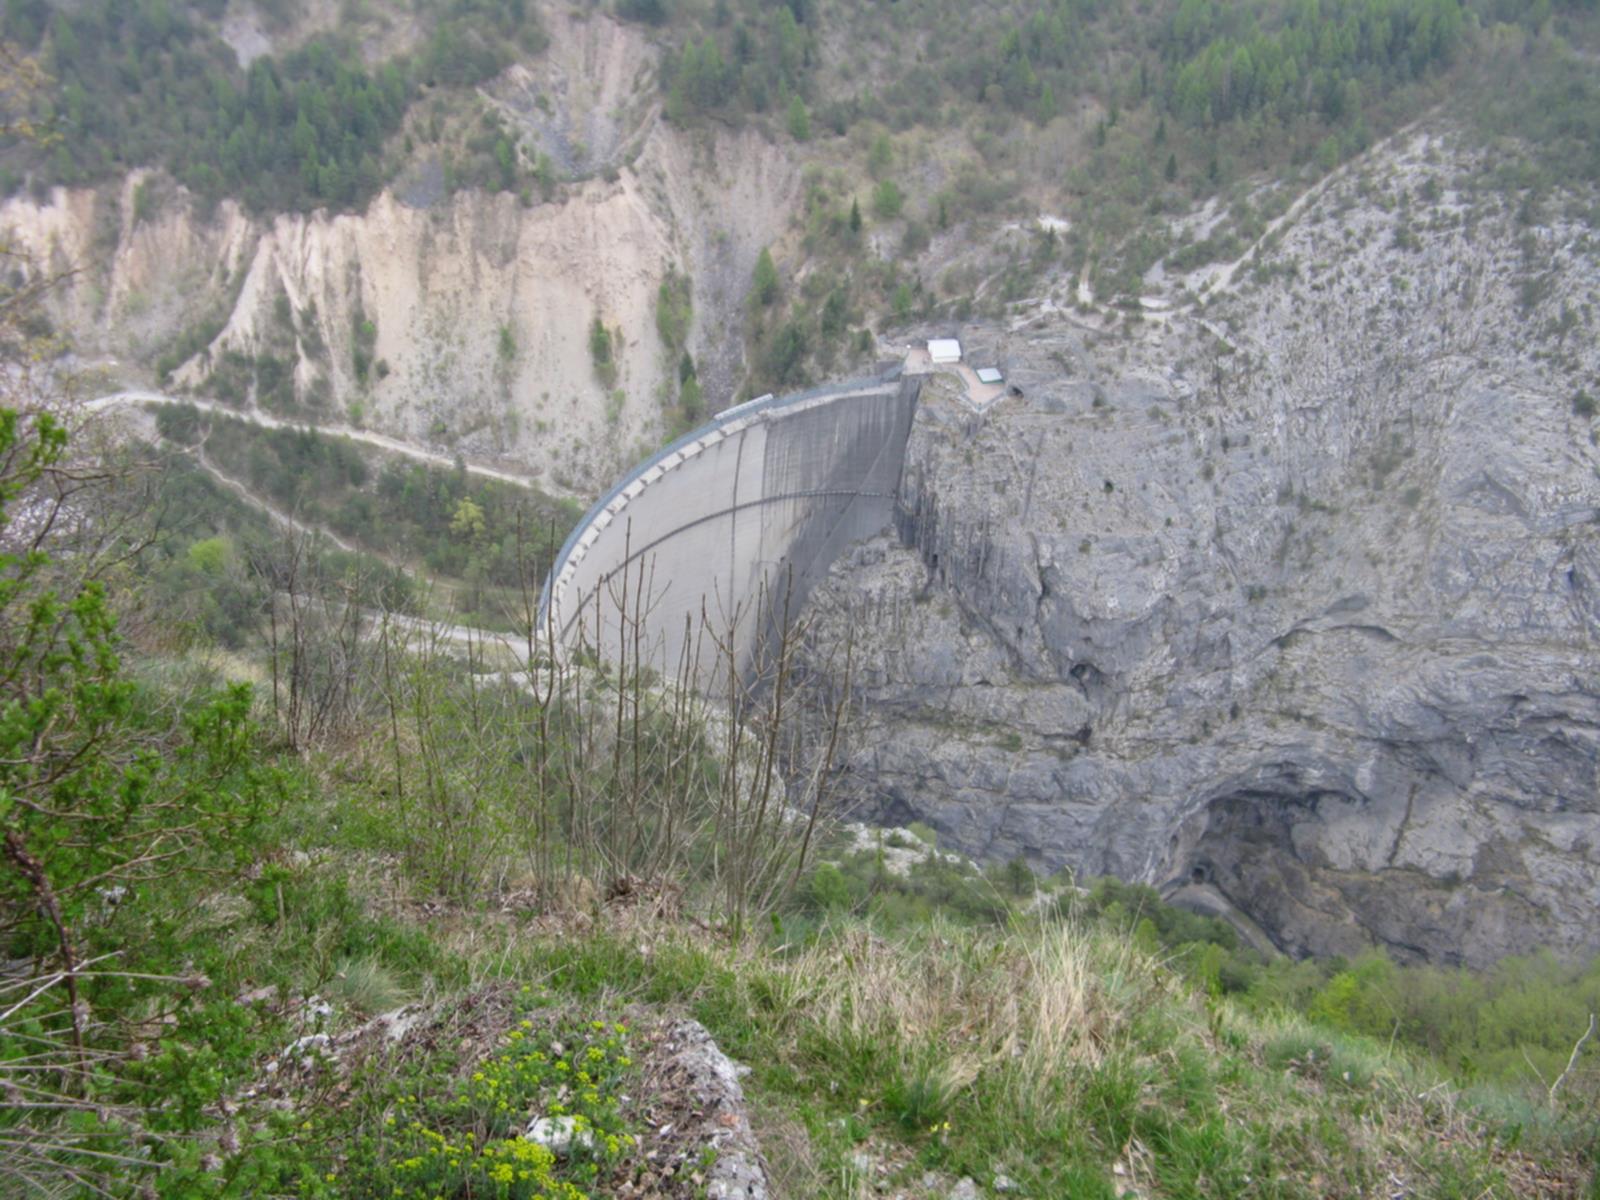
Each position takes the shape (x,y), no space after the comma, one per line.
(693,560)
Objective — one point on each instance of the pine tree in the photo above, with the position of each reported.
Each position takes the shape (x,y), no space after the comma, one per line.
(766,279)
(799,120)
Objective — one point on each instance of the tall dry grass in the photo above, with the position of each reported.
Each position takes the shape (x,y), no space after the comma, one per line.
(1033,1007)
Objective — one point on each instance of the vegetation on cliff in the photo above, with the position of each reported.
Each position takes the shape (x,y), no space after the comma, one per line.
(210,887)
(153,84)
(251,799)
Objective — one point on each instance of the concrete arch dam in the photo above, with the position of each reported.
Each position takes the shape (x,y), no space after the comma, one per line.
(709,543)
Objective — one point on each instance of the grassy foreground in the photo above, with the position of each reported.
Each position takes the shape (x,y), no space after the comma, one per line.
(347,933)
(1056,1055)
(1040,1055)
(1059,1056)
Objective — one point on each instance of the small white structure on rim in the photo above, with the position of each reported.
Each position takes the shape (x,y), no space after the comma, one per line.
(944,350)
(990,375)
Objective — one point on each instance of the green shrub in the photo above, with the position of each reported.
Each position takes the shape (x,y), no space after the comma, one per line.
(674,311)
(888,200)
(110,800)
(799,120)
(600,352)
(363,337)
(765,279)
(691,403)
(829,891)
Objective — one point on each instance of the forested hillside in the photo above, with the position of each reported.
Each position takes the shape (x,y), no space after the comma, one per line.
(153,83)
(921,133)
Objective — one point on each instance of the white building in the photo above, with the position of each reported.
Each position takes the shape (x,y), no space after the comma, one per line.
(944,350)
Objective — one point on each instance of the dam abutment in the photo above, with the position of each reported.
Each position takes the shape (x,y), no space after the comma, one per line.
(700,555)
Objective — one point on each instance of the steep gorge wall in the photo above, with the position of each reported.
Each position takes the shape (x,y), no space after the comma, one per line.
(1303,625)
(480,306)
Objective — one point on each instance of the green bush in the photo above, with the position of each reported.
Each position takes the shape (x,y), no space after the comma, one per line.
(799,120)
(765,279)
(781,364)
(674,310)
(363,337)
(888,200)
(829,891)
(110,800)
(600,352)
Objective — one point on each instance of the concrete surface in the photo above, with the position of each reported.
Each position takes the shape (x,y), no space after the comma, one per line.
(700,551)
(979,395)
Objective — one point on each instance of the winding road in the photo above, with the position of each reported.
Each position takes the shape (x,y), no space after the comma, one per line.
(419,626)
(254,416)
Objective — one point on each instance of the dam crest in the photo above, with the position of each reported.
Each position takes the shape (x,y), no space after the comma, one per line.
(696,560)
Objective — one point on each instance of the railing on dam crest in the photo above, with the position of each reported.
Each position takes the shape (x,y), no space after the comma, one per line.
(779,483)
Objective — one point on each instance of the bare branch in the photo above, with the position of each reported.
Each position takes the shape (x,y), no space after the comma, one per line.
(1572,1060)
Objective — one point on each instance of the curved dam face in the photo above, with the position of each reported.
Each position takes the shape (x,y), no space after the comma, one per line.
(699,555)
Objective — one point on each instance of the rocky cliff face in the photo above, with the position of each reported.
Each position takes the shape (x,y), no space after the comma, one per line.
(1288,603)
(477,307)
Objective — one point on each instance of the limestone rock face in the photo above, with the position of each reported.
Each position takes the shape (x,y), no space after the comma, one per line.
(475,308)
(1291,601)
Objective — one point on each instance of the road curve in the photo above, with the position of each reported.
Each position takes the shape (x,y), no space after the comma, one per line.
(350,433)
(704,550)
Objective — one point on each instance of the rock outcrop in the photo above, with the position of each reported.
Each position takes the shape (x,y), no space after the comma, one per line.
(1290,602)
(459,320)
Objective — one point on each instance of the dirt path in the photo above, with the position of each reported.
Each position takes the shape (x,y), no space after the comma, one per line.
(469,635)
(424,626)
(1222,279)
(263,420)
(276,515)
